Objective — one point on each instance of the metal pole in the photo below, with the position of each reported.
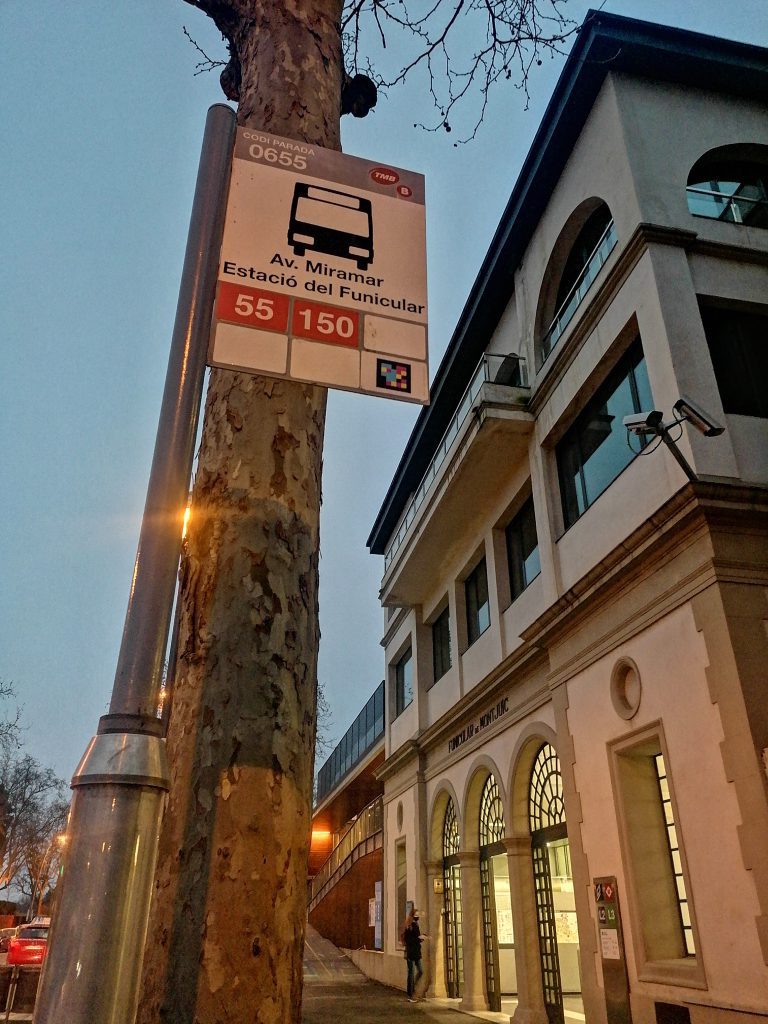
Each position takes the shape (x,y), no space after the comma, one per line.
(93,967)
(678,456)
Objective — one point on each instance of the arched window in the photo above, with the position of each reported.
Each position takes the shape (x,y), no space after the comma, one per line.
(491,814)
(454,956)
(731,184)
(450,832)
(586,253)
(546,807)
(553,882)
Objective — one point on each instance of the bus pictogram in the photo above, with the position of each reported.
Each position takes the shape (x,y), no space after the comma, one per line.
(333,222)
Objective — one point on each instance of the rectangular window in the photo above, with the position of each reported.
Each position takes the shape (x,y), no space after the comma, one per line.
(522,549)
(674,853)
(663,917)
(401,884)
(738,346)
(478,607)
(595,449)
(403,682)
(441,645)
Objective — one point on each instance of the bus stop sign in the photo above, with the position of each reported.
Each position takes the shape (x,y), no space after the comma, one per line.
(322,276)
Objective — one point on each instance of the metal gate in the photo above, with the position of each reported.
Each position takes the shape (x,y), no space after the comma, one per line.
(454,958)
(547,821)
(490,843)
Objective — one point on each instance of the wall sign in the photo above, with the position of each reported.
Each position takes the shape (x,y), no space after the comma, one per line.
(323,270)
(477,725)
(612,956)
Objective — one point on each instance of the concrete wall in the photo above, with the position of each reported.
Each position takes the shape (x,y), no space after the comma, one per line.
(342,916)
(676,696)
(386,968)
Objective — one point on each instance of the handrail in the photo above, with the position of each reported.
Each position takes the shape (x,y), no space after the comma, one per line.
(725,202)
(581,286)
(508,370)
(368,822)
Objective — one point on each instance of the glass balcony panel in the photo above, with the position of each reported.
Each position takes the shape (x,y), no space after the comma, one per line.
(565,314)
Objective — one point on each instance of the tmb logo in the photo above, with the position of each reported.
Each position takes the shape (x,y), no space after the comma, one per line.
(385,176)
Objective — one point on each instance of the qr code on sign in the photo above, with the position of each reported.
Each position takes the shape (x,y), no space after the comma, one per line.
(393,376)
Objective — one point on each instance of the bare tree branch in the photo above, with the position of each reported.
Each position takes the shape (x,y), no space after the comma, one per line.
(456,49)
(461,48)
(207,63)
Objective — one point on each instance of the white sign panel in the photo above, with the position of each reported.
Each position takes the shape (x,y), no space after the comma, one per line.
(609,944)
(323,270)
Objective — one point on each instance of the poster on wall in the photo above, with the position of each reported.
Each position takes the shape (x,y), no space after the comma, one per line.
(504,928)
(378,890)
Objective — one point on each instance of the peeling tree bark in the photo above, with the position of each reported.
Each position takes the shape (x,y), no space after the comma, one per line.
(227,924)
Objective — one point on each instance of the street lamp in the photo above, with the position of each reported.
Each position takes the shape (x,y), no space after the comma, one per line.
(93,967)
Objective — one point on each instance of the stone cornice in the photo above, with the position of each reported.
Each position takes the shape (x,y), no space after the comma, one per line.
(398,760)
(729,251)
(694,509)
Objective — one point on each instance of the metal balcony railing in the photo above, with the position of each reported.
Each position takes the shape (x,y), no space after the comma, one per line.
(736,207)
(354,842)
(508,370)
(581,286)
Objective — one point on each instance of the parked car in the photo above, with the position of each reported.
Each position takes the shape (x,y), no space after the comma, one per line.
(28,946)
(5,937)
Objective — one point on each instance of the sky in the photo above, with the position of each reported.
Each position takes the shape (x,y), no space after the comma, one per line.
(102,119)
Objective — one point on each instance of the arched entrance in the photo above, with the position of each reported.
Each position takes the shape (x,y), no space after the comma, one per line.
(553,884)
(454,958)
(494,889)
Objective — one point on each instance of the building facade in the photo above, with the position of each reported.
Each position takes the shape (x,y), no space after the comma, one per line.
(576,734)
(345,891)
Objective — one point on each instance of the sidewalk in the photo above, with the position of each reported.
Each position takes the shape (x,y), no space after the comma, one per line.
(335,990)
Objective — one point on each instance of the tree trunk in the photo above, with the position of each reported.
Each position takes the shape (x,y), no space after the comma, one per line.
(226,930)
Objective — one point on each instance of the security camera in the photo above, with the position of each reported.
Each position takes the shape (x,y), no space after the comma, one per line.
(644,422)
(688,410)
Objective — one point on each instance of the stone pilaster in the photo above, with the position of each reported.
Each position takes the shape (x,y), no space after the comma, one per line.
(434,947)
(473,996)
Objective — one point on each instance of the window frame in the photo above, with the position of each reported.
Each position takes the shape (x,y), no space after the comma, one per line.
(513,536)
(728,347)
(624,369)
(446,659)
(398,674)
(634,780)
(713,201)
(475,629)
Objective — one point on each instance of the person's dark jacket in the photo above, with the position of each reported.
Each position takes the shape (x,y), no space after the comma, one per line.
(412,941)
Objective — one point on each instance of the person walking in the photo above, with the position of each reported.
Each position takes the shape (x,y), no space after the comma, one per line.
(412,940)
